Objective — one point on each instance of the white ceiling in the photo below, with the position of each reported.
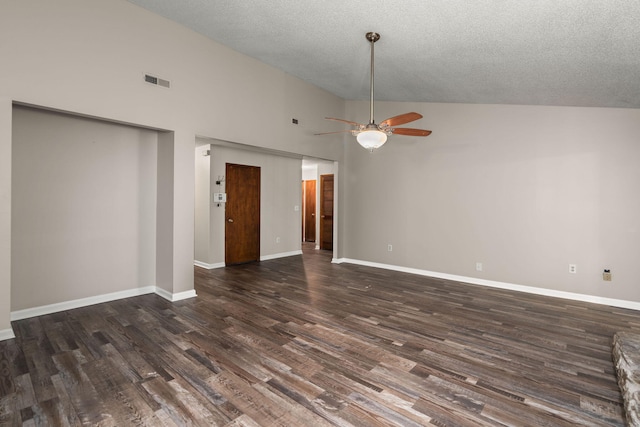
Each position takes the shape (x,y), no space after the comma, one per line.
(540,52)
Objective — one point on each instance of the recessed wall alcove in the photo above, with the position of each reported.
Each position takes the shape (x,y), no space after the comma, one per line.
(89,197)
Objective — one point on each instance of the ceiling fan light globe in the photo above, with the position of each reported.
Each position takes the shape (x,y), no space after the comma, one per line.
(371,139)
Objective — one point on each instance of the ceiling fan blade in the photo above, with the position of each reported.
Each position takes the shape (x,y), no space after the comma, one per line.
(411,132)
(343,121)
(401,119)
(328,133)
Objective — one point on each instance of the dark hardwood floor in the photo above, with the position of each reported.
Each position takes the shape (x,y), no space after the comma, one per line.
(299,341)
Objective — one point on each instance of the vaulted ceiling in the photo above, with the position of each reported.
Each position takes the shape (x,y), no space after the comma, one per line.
(543,52)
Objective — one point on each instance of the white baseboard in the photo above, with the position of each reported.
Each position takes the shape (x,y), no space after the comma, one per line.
(6,334)
(175,297)
(82,302)
(501,285)
(280,255)
(208,266)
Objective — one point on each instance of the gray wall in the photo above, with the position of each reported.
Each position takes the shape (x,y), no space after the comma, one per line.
(202,235)
(524,190)
(83,208)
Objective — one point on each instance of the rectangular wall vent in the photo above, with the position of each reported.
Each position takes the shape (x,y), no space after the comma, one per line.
(157,81)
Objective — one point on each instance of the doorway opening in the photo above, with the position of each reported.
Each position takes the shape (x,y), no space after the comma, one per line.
(281,202)
(318,214)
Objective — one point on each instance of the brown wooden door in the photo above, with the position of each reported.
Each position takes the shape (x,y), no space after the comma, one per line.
(242,214)
(309,211)
(326,212)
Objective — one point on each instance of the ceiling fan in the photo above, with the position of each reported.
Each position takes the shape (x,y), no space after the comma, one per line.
(372,135)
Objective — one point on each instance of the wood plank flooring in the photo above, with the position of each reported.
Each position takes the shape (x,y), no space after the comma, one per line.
(299,341)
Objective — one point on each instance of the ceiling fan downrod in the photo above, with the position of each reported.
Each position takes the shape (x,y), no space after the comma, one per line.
(372,37)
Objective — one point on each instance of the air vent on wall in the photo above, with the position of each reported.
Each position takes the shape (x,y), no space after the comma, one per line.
(157,81)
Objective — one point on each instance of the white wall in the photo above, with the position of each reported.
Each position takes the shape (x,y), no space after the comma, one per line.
(83,208)
(525,190)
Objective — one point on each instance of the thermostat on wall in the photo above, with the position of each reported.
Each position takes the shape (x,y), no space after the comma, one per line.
(219,197)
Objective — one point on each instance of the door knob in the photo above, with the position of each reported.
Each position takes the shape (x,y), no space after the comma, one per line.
(230,220)
(321,216)
(313,214)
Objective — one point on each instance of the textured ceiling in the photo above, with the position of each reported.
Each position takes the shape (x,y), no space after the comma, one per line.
(542,52)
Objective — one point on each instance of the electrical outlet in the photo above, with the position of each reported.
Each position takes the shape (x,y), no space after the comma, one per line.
(573,269)
(478,266)
(277,240)
(606,276)
(389,248)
